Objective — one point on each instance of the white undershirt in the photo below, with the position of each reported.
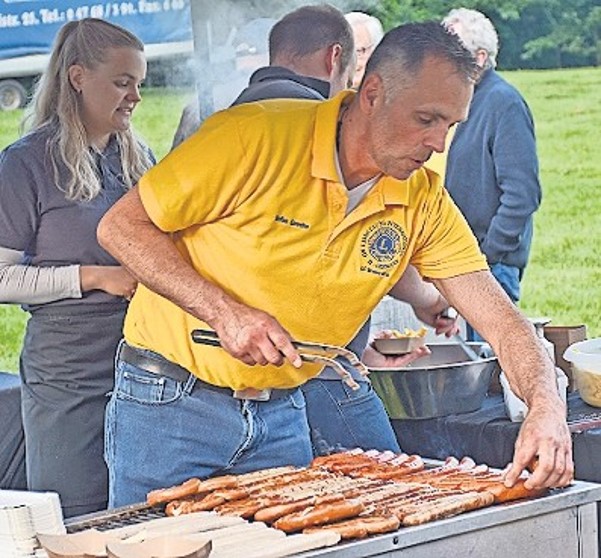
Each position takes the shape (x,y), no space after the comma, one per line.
(356,194)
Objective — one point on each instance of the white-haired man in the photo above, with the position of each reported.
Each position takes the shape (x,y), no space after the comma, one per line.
(492,165)
(367,32)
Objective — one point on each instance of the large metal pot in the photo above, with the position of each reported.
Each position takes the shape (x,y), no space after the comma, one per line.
(443,383)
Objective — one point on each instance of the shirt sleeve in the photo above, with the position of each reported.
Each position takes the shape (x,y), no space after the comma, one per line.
(446,246)
(19,217)
(27,284)
(199,181)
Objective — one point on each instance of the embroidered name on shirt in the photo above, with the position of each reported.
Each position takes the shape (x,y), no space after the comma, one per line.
(291,222)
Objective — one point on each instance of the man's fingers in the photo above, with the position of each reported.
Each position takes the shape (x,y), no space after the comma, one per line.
(283,346)
(557,472)
(554,466)
(512,474)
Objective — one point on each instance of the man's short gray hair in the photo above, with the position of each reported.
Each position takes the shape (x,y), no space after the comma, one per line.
(373,24)
(403,51)
(476,31)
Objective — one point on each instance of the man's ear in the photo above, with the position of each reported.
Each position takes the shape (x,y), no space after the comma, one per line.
(76,74)
(371,92)
(333,58)
(481,57)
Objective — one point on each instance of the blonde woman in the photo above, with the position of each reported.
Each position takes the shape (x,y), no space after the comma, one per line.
(56,182)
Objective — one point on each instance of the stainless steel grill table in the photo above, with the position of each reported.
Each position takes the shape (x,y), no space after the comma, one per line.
(560,525)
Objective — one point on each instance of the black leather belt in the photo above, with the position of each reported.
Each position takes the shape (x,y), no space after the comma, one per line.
(163,367)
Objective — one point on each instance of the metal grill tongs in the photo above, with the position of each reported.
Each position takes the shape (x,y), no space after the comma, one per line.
(308,351)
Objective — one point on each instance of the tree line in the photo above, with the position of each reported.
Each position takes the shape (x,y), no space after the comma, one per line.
(532,33)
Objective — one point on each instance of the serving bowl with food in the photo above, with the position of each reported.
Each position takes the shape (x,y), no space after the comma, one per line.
(585,357)
(445,382)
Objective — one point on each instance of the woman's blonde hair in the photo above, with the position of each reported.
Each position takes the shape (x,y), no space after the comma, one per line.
(55,105)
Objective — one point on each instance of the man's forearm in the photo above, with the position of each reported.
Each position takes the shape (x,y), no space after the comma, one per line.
(483,303)
(411,288)
(151,256)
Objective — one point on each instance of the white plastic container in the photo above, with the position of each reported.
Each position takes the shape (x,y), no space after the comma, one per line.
(585,357)
(516,408)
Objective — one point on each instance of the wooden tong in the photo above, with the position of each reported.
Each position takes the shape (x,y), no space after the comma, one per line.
(308,351)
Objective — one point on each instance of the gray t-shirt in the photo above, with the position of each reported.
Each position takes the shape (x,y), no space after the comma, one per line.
(38,220)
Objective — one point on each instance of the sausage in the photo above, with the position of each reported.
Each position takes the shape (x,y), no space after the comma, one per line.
(319,515)
(359,527)
(518,491)
(266,474)
(326,460)
(179,507)
(241,508)
(346,529)
(446,507)
(177,492)
(272,513)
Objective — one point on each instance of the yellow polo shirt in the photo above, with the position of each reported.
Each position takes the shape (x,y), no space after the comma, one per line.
(254,204)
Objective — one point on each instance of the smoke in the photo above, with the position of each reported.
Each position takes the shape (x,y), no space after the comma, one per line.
(231,42)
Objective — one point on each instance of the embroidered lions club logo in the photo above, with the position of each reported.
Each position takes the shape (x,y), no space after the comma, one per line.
(382,246)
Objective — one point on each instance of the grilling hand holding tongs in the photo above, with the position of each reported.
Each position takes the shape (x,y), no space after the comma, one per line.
(308,351)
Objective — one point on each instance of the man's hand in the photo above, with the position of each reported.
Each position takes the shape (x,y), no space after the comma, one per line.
(254,337)
(374,359)
(544,436)
(445,324)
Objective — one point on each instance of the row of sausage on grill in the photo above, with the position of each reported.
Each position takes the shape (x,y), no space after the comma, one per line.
(355,493)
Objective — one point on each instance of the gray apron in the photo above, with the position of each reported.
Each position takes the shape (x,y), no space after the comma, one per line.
(66,367)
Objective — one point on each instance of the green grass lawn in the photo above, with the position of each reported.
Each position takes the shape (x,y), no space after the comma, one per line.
(563,280)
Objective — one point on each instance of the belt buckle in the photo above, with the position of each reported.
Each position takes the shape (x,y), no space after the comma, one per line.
(252,394)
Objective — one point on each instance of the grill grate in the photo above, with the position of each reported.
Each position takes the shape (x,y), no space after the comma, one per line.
(112,519)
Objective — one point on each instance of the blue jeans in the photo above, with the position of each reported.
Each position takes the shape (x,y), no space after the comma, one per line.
(341,418)
(160,432)
(508,277)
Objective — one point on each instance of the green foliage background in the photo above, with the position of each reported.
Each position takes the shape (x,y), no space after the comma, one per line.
(533,33)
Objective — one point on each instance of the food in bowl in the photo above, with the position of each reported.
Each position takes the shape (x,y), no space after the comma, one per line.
(585,357)
(395,342)
(589,386)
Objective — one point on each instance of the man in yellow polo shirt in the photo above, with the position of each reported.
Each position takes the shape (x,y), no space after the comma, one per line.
(243,229)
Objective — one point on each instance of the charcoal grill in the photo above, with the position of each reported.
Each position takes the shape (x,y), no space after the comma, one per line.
(112,519)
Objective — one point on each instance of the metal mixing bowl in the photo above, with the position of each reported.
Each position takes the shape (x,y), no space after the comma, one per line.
(443,383)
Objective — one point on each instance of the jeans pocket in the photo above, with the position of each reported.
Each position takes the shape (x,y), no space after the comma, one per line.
(140,386)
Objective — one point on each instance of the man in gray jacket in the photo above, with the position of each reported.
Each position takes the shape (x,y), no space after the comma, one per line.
(492,166)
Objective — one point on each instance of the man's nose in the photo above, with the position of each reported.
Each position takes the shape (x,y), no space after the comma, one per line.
(436,140)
